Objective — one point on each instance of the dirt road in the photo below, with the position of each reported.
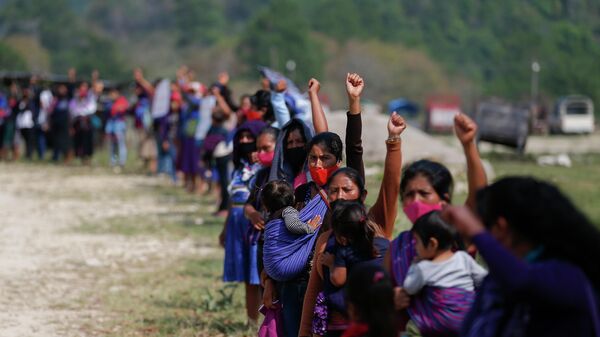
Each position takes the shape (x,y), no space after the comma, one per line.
(50,272)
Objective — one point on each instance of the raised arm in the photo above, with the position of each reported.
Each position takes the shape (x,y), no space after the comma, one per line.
(318,115)
(466,129)
(281,111)
(221,102)
(138,75)
(385,209)
(553,281)
(354,149)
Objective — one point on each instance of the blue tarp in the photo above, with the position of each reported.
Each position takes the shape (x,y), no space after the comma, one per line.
(403,107)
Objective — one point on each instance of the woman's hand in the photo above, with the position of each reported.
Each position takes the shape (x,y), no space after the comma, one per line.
(354,85)
(313,86)
(465,128)
(327,259)
(354,88)
(269,294)
(281,86)
(401,298)
(464,220)
(257,220)
(396,125)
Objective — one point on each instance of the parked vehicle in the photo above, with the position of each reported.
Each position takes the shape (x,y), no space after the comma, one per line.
(503,123)
(572,114)
(440,112)
(403,107)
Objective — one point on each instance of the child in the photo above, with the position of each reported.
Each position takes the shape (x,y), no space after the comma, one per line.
(438,266)
(278,200)
(355,244)
(356,241)
(370,303)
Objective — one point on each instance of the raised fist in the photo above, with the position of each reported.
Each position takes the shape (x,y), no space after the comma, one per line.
(396,125)
(314,86)
(465,128)
(354,85)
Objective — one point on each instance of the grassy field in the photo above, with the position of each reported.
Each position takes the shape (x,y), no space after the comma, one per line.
(188,298)
(580,182)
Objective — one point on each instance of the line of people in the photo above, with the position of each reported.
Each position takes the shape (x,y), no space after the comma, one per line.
(316,261)
(183,129)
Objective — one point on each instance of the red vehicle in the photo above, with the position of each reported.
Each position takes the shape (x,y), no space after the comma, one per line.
(440,112)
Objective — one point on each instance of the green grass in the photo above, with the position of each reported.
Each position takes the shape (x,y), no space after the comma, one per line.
(188,298)
(581,182)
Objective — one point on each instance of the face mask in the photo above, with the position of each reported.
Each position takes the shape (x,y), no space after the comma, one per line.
(417,209)
(295,157)
(246,149)
(321,175)
(266,158)
(252,115)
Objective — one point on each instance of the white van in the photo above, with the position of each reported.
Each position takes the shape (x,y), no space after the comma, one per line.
(572,114)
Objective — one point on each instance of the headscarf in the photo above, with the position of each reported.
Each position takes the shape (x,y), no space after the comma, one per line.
(254,127)
(281,169)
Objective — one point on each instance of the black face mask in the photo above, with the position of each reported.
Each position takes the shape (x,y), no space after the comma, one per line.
(295,157)
(246,149)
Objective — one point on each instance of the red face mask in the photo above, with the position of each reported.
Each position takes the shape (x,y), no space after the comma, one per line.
(266,158)
(320,175)
(253,115)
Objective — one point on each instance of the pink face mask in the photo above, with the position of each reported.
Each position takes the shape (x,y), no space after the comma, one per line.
(266,158)
(417,209)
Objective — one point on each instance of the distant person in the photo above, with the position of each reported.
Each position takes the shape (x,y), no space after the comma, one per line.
(240,264)
(143,121)
(60,124)
(25,122)
(116,129)
(82,107)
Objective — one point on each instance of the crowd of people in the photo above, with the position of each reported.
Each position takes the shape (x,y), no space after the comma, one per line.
(315,260)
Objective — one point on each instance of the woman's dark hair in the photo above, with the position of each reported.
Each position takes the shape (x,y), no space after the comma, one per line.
(277,194)
(353,175)
(262,99)
(294,125)
(437,174)
(540,214)
(431,226)
(350,220)
(329,142)
(371,293)
(269,130)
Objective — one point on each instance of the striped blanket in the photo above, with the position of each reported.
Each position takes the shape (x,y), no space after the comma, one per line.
(285,255)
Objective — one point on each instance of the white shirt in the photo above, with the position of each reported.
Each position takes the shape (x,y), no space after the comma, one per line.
(459,271)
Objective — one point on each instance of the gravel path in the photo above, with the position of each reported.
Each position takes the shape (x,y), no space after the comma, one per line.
(49,273)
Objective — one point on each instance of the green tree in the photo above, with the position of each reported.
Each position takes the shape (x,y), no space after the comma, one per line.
(10,59)
(70,41)
(278,34)
(198,21)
